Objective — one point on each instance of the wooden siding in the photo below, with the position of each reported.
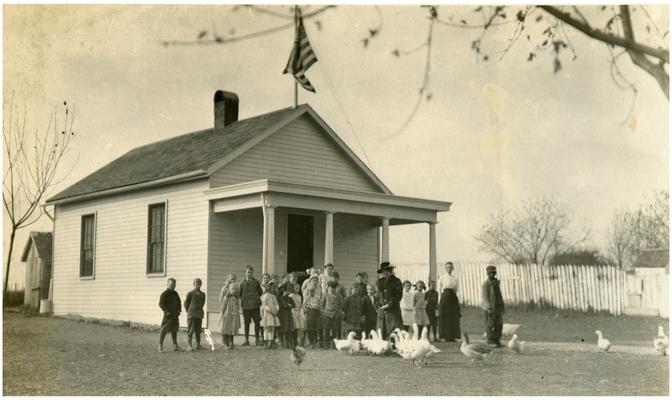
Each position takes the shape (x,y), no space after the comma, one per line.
(31,296)
(121,289)
(299,152)
(235,241)
(355,247)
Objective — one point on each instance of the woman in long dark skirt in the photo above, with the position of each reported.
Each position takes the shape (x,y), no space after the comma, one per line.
(449,306)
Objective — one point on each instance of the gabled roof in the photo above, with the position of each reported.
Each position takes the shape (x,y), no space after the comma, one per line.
(653,258)
(42,242)
(196,154)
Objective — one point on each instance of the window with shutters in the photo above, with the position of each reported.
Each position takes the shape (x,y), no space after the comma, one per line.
(87,246)
(156,239)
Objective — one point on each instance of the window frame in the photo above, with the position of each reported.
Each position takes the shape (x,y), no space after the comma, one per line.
(94,217)
(148,243)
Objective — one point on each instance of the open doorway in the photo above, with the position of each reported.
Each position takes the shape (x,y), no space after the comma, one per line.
(299,242)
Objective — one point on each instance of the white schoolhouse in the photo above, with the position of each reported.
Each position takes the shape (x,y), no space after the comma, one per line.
(279,191)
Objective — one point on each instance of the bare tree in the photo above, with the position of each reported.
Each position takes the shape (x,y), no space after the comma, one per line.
(620,238)
(532,233)
(32,159)
(644,228)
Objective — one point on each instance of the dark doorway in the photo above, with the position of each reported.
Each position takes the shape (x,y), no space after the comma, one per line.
(299,242)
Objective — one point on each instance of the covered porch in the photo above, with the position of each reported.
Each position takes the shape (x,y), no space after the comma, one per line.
(295,226)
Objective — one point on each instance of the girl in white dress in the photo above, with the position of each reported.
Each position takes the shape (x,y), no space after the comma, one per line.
(407,304)
(269,315)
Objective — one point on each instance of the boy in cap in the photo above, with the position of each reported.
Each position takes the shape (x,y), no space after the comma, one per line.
(492,304)
(194,306)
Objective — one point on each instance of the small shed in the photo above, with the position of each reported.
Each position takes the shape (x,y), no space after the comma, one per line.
(37,256)
(648,283)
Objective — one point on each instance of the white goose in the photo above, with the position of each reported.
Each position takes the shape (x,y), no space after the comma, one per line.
(208,338)
(426,347)
(377,345)
(603,344)
(515,345)
(350,344)
(475,351)
(660,343)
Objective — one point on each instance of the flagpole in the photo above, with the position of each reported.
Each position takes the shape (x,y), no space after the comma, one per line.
(296,84)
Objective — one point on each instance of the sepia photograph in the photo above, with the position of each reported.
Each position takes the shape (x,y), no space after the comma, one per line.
(277,199)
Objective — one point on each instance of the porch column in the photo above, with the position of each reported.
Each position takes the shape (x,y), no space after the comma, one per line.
(329,238)
(432,251)
(268,248)
(385,240)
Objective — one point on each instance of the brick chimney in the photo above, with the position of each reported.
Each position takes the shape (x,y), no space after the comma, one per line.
(226,108)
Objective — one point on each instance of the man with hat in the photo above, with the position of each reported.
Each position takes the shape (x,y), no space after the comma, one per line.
(390,292)
(492,304)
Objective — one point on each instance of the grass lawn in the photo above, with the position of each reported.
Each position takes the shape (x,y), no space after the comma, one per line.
(50,356)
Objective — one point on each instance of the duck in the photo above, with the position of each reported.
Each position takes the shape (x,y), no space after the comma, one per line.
(297,355)
(516,345)
(475,351)
(349,344)
(602,343)
(208,338)
(660,342)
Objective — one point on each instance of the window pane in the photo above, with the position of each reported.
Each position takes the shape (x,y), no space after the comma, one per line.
(155,238)
(87,246)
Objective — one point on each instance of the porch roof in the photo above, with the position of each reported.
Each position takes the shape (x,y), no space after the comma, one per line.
(274,193)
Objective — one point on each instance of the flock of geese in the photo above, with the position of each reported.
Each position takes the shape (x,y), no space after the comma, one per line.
(419,349)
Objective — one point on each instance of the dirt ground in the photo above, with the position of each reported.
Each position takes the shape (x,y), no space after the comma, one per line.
(51,356)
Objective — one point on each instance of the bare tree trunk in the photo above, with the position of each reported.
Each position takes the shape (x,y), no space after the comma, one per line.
(9,259)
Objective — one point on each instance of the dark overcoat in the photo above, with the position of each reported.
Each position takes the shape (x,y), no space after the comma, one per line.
(390,292)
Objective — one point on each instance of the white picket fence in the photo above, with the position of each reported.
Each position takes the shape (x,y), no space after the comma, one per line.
(570,287)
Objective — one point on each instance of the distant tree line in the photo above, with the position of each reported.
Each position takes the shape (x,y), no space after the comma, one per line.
(541,231)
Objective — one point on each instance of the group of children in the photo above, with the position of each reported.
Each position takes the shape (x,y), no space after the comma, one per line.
(309,314)
(420,306)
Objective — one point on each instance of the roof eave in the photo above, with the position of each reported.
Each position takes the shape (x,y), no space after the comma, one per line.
(189,176)
(266,185)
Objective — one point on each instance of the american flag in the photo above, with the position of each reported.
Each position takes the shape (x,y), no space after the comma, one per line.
(301,57)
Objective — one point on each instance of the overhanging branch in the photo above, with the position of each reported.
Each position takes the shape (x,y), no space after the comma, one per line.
(627,43)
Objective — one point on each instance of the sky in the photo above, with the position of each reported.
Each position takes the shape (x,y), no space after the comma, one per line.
(494,133)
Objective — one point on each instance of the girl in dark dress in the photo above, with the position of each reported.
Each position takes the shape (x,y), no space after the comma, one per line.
(285,315)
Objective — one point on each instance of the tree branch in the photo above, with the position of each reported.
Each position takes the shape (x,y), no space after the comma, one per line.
(627,43)
(655,70)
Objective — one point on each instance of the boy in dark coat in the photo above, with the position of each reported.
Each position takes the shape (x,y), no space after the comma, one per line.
(432,299)
(194,306)
(492,304)
(369,308)
(250,299)
(171,305)
(354,312)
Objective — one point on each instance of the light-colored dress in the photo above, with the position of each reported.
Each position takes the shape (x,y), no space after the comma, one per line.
(421,317)
(229,318)
(297,312)
(407,305)
(269,310)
